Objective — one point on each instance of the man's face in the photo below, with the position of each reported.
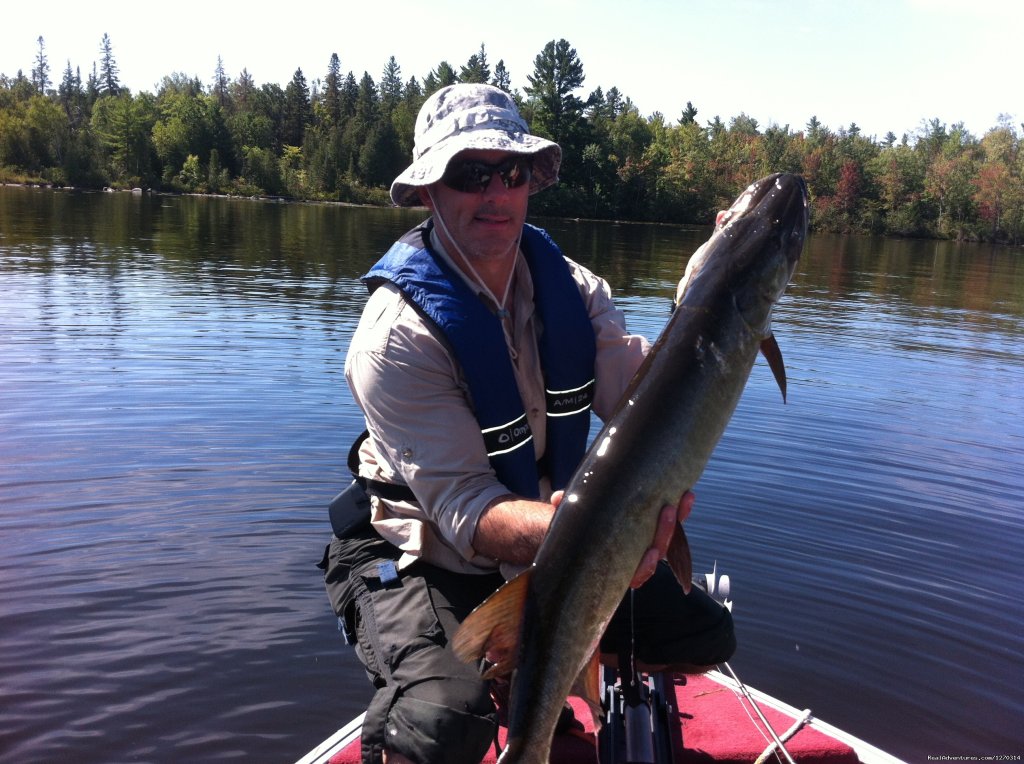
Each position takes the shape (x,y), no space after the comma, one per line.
(484,223)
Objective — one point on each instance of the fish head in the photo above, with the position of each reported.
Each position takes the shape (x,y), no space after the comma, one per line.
(775,221)
(756,247)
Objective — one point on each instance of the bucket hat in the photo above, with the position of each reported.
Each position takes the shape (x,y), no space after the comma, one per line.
(471,116)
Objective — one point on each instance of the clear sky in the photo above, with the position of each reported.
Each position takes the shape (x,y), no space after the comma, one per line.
(888,65)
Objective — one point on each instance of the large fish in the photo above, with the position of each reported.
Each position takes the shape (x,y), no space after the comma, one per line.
(548,620)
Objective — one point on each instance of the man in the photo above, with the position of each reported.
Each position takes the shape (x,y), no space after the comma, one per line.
(472,316)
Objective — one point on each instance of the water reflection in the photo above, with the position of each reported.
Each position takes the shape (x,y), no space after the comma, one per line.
(175,417)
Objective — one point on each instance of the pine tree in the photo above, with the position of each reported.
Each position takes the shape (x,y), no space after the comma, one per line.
(220,83)
(367,100)
(92,86)
(689,115)
(41,71)
(71,96)
(332,91)
(391,86)
(438,78)
(501,78)
(557,73)
(476,68)
(108,82)
(413,94)
(297,113)
(349,96)
(242,91)
(556,112)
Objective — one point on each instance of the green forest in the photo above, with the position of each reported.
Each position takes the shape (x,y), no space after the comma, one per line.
(342,138)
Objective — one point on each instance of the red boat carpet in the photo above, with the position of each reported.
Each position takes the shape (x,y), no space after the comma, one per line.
(715,727)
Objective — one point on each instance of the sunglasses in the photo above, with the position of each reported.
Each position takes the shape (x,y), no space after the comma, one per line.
(469,176)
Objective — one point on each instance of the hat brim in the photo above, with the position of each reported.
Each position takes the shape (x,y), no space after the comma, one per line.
(428,169)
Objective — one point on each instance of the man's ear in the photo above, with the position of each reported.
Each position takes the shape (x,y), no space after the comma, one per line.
(425,199)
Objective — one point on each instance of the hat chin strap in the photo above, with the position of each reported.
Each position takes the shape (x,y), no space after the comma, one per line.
(499,304)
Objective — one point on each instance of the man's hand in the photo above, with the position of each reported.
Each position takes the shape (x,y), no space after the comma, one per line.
(669,518)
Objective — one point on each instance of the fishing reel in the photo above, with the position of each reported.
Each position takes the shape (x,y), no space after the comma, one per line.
(640,707)
(638,718)
(717,586)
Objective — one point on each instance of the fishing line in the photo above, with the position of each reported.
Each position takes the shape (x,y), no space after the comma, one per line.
(632,637)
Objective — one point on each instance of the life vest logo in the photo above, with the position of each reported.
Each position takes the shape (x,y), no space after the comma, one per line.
(507,437)
(567,402)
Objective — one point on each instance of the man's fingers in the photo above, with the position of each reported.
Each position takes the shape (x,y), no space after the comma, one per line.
(686,505)
(666,527)
(670,517)
(667,520)
(645,569)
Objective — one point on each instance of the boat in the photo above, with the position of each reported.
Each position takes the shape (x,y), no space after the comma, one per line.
(711,717)
(678,718)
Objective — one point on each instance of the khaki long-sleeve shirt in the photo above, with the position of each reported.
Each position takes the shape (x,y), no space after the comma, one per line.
(418,410)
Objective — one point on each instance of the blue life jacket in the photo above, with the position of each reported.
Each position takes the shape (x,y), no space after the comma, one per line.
(566,343)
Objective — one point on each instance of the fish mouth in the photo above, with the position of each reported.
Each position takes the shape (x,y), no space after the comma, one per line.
(782,202)
(781,199)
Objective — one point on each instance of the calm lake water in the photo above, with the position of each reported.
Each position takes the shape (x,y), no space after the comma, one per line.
(174,420)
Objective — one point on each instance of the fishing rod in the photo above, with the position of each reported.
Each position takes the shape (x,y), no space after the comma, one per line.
(641,720)
(639,711)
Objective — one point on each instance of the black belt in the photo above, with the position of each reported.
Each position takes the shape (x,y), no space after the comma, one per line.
(388,491)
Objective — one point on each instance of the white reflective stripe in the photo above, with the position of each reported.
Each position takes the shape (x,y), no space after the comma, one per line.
(570,390)
(570,413)
(567,393)
(507,437)
(503,426)
(513,448)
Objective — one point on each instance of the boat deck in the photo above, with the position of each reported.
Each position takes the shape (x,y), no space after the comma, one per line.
(715,724)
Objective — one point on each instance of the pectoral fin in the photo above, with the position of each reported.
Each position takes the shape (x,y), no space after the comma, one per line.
(492,629)
(680,560)
(772,354)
